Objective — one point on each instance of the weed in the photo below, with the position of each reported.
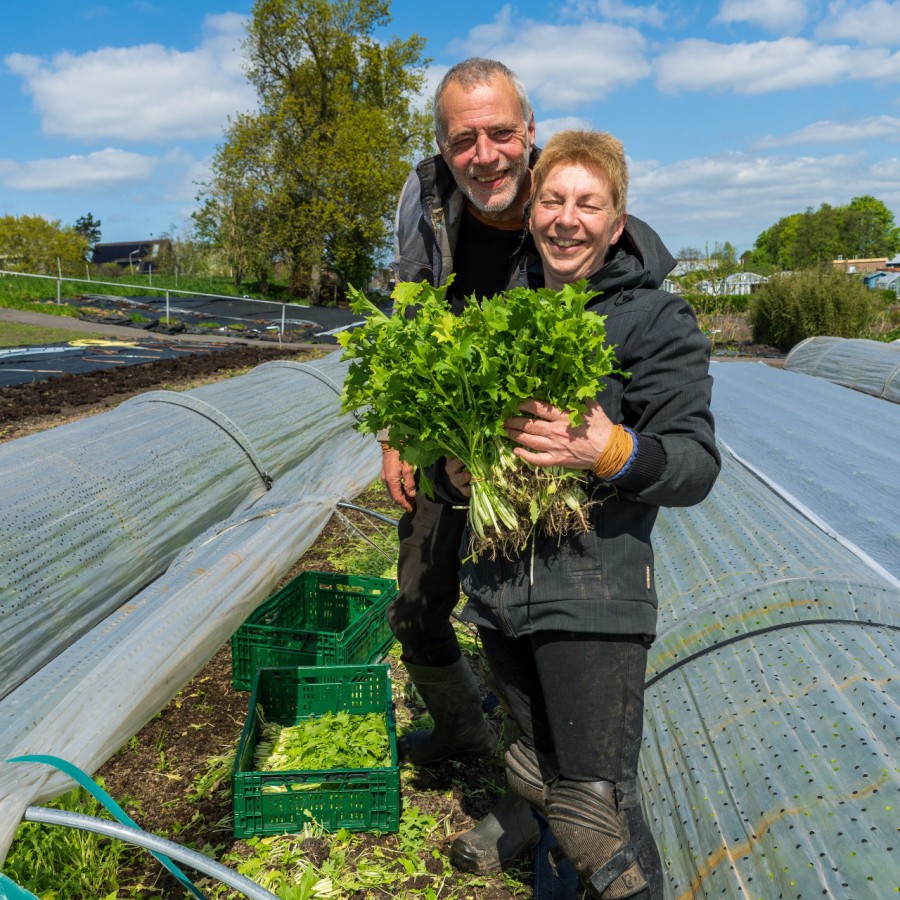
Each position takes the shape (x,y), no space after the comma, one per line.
(57,863)
(216,775)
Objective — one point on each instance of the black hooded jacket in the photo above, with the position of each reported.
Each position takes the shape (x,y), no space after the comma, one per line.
(602,581)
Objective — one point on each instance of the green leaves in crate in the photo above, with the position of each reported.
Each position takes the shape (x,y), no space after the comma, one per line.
(330,741)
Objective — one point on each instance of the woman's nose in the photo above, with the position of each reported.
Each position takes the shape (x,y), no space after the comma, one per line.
(567,215)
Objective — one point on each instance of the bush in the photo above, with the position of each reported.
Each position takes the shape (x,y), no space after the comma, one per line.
(789,308)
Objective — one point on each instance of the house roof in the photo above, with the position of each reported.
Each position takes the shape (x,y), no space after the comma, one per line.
(126,251)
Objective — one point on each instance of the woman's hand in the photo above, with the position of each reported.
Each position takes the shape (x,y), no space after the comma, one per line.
(547,439)
(459,475)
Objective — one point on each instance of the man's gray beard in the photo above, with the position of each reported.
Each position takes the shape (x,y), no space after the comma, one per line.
(523,174)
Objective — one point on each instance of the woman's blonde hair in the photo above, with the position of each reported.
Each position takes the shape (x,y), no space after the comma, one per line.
(595,150)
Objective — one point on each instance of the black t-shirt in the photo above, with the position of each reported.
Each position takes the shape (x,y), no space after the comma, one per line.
(482,259)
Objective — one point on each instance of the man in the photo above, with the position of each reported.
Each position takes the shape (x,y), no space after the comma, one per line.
(460,212)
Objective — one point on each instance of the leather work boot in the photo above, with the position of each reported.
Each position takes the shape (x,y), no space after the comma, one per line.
(460,731)
(504,835)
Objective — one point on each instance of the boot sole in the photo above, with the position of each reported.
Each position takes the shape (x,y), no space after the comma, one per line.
(492,867)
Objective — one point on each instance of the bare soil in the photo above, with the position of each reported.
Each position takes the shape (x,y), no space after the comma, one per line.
(25,408)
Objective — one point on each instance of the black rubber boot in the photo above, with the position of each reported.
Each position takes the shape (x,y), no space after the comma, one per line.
(504,835)
(509,830)
(460,731)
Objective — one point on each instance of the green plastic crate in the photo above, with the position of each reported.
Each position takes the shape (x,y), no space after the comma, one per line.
(317,618)
(355,799)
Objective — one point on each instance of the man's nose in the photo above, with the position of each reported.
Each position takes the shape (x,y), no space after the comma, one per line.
(485,149)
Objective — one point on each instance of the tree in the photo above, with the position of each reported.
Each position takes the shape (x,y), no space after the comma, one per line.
(867,229)
(312,178)
(35,245)
(89,228)
(863,229)
(726,259)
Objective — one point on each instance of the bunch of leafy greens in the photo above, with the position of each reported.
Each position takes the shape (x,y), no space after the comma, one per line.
(334,740)
(443,384)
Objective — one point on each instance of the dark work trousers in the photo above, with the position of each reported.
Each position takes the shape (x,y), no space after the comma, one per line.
(578,700)
(428,579)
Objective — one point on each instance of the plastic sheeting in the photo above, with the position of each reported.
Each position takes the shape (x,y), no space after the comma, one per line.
(832,452)
(769,765)
(101,684)
(95,510)
(869,366)
(772,710)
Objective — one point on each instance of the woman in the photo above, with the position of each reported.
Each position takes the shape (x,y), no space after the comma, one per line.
(566,625)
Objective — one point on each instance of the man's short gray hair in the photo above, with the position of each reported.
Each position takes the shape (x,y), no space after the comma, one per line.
(473,72)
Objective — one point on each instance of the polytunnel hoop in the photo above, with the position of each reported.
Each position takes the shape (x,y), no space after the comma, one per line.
(780,626)
(216,417)
(305,369)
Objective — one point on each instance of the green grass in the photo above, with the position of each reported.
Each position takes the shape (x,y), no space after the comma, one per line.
(57,863)
(20,291)
(15,334)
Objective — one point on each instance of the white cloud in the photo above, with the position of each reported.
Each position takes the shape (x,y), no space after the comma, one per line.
(774,15)
(764,66)
(612,11)
(561,65)
(546,128)
(736,196)
(876,23)
(827,132)
(142,93)
(104,169)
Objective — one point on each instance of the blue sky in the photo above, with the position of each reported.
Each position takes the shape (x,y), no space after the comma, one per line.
(733,113)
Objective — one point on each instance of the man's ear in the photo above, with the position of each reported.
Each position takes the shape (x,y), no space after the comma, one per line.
(531,131)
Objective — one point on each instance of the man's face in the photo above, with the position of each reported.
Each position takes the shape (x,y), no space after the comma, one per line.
(486,144)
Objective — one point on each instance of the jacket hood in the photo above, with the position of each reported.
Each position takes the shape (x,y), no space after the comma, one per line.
(647,250)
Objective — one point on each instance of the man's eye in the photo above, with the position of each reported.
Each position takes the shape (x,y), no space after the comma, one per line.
(461,144)
(502,135)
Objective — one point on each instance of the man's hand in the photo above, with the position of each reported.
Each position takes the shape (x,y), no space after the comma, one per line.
(547,439)
(398,479)
(459,476)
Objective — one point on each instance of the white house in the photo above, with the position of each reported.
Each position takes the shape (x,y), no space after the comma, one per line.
(739,284)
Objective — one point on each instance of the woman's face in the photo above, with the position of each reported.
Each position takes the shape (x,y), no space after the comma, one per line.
(574,223)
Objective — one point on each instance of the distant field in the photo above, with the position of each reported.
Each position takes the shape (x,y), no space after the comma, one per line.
(13,334)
